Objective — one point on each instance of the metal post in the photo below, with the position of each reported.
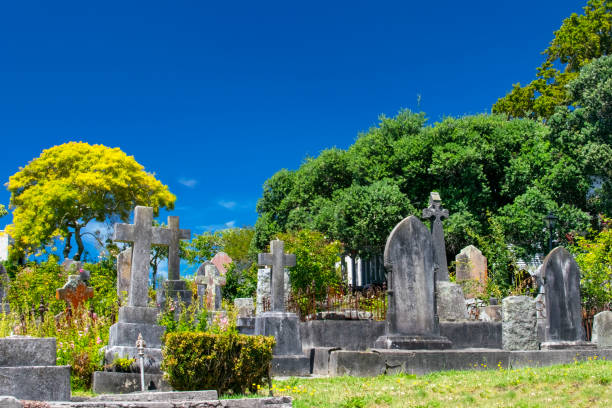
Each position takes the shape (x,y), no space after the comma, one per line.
(140,345)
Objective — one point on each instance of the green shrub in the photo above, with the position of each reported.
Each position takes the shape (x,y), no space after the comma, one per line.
(226,362)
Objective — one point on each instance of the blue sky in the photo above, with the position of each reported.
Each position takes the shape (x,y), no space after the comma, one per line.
(215,97)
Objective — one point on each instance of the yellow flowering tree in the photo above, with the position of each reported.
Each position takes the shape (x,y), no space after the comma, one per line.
(60,192)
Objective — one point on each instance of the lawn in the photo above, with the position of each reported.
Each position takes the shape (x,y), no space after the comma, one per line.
(581,384)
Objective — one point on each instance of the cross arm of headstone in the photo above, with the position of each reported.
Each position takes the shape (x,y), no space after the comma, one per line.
(160,236)
(123,233)
(265,259)
(289,260)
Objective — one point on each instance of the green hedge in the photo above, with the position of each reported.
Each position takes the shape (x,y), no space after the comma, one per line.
(227,362)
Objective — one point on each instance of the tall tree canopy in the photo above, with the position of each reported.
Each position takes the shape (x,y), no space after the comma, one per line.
(580,39)
(60,192)
(485,167)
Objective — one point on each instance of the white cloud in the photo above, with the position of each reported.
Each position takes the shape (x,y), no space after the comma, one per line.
(191,183)
(230,224)
(215,227)
(227,204)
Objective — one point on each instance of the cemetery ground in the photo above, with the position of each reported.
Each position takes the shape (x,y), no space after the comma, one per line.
(580,384)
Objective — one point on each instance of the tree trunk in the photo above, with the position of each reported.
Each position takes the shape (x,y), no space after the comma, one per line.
(79,241)
(67,247)
(154,266)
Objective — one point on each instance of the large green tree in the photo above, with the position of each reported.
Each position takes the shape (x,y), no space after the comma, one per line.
(580,39)
(58,193)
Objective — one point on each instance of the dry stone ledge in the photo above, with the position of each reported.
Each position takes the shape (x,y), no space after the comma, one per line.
(602,329)
(519,323)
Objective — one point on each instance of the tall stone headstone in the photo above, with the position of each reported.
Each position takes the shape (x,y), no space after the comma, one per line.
(519,323)
(288,357)
(560,276)
(174,287)
(471,267)
(412,321)
(124,271)
(137,318)
(435,213)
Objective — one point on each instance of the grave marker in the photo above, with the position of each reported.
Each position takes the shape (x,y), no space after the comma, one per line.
(436,213)
(75,291)
(278,260)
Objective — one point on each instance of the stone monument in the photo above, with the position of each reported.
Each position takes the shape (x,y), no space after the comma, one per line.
(264,292)
(75,292)
(174,287)
(288,357)
(471,267)
(435,213)
(210,281)
(602,329)
(412,321)
(560,276)
(137,317)
(245,321)
(28,369)
(124,271)
(519,323)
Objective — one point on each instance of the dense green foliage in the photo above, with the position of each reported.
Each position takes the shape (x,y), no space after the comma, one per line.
(3,211)
(581,39)
(226,362)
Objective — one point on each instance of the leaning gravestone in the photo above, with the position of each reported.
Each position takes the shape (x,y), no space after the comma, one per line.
(435,213)
(288,357)
(563,312)
(519,323)
(136,318)
(471,266)
(602,329)
(412,321)
(28,369)
(174,288)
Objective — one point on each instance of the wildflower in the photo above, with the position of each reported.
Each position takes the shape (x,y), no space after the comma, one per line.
(98,340)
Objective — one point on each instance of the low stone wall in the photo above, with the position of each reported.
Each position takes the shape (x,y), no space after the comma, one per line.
(272,402)
(361,334)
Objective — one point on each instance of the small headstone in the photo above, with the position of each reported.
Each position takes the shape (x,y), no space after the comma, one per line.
(75,291)
(221,260)
(435,213)
(451,302)
(563,312)
(471,267)
(412,322)
(210,282)
(124,271)
(244,307)
(602,329)
(519,323)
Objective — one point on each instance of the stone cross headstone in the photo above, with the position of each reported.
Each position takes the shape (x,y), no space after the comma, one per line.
(124,271)
(436,213)
(75,292)
(209,283)
(142,234)
(176,235)
(411,316)
(471,267)
(563,312)
(277,259)
(221,261)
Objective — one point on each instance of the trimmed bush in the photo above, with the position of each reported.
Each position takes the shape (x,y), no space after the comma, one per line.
(226,362)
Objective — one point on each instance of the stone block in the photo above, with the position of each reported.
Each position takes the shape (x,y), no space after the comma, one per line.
(152,356)
(414,342)
(245,325)
(50,383)
(519,323)
(450,301)
(18,351)
(285,327)
(160,396)
(602,329)
(319,359)
(473,334)
(10,402)
(290,365)
(245,307)
(135,314)
(491,313)
(105,382)
(126,334)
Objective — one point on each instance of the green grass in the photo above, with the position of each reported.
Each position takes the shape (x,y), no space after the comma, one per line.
(582,384)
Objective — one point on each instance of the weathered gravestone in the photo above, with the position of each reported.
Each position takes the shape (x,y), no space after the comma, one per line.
(264,293)
(210,281)
(75,292)
(288,357)
(602,329)
(174,287)
(519,323)
(136,318)
(471,267)
(124,271)
(435,213)
(245,321)
(412,322)
(560,276)
(221,260)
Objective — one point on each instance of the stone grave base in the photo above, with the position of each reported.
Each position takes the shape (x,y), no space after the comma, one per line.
(108,382)
(272,402)
(152,357)
(377,362)
(563,345)
(416,342)
(36,383)
(290,365)
(285,327)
